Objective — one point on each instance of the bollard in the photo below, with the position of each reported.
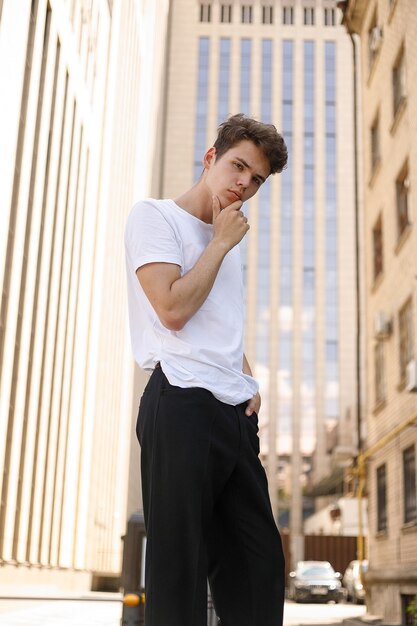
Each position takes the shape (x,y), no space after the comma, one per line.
(132,614)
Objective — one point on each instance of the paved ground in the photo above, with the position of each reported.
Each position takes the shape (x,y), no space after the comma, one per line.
(315,614)
(62,612)
(106,610)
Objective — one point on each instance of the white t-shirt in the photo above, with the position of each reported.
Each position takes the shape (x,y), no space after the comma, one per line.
(208,351)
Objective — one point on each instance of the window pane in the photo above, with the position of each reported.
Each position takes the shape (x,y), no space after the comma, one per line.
(379,372)
(405,337)
(382,522)
(402,185)
(409,472)
(377,248)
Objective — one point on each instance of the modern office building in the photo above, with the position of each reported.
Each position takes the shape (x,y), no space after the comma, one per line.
(388,34)
(287,62)
(77,97)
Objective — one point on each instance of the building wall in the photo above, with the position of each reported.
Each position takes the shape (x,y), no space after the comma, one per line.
(392,549)
(69,122)
(345,524)
(299,253)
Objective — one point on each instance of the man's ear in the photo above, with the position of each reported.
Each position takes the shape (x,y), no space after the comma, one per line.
(209,157)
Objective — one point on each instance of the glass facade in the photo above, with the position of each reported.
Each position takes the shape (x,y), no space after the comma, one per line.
(264,227)
(244,107)
(308,392)
(202,104)
(266,85)
(223,108)
(331,270)
(285,376)
(245,75)
(308,329)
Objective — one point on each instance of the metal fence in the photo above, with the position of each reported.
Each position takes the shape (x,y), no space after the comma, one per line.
(336,549)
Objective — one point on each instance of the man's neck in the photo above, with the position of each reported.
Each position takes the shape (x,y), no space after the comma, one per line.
(198,202)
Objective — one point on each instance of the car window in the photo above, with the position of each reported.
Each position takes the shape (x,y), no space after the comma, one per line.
(317,571)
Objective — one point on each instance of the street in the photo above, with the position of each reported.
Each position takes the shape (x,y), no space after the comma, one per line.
(107,612)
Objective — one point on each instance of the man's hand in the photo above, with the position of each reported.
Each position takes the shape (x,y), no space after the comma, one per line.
(229,224)
(254,404)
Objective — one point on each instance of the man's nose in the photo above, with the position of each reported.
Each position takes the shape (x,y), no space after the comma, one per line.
(244,180)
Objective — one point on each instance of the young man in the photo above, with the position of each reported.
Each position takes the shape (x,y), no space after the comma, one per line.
(205,496)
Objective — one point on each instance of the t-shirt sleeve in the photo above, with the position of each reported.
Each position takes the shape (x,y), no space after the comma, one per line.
(150,238)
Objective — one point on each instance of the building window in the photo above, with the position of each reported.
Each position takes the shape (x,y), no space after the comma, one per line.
(398,82)
(378,248)
(268,14)
(202,104)
(226,13)
(409,476)
(262,354)
(245,75)
(407,602)
(375,144)
(330,17)
(205,12)
(402,185)
(331,236)
(379,372)
(288,16)
(246,14)
(405,324)
(308,16)
(381,497)
(266,81)
(309,341)
(224,79)
(245,107)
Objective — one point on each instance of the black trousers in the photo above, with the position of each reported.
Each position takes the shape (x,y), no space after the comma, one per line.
(207,512)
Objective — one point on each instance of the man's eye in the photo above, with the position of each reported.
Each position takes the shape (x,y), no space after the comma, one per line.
(239,165)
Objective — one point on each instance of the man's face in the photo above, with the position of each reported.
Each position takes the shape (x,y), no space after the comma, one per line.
(237,174)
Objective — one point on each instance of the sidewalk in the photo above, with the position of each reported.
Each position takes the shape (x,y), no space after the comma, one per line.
(46,608)
(322,614)
(51,607)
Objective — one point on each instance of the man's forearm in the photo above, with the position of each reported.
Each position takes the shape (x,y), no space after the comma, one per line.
(177,298)
(188,293)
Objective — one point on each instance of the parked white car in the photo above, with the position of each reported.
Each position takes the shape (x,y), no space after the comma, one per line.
(353,582)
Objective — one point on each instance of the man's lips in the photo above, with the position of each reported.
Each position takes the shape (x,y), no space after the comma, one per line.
(236,194)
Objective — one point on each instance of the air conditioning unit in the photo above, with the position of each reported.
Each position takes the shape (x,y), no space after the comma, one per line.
(411,376)
(375,38)
(382,326)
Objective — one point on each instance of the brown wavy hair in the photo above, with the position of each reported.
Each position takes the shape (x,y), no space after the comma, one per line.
(239,127)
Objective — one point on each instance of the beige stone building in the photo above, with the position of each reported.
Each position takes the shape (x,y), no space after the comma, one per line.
(287,62)
(388,35)
(78,81)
